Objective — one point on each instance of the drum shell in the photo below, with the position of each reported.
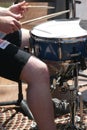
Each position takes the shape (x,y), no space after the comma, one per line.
(53,49)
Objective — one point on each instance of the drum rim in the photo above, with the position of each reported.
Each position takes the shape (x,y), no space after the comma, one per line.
(35,30)
(59,40)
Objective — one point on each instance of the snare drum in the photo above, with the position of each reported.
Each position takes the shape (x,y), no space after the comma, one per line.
(59,40)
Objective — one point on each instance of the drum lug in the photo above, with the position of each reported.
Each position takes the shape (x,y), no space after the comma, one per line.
(37,50)
(60,50)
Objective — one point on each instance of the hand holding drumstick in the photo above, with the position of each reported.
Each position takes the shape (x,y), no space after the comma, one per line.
(20,8)
(10,17)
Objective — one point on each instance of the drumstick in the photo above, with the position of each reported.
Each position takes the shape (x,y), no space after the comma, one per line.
(34,6)
(46,17)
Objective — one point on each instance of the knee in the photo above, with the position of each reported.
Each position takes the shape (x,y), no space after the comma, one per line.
(44,70)
(36,70)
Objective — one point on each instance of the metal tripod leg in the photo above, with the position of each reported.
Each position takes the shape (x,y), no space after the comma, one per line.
(73,101)
(20,102)
(72,124)
(23,103)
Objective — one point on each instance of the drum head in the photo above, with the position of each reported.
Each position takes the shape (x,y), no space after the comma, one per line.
(59,29)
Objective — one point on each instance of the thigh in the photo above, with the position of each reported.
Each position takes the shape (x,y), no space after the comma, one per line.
(12,61)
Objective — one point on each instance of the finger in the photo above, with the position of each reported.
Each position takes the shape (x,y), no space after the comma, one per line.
(16,16)
(17,25)
(25,6)
(22,3)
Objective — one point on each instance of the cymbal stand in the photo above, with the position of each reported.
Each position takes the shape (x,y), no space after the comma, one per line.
(71,4)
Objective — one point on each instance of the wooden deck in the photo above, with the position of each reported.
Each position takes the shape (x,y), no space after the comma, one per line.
(9,90)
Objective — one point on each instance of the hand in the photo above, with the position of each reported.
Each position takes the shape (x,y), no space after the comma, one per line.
(9,24)
(19,9)
(7,12)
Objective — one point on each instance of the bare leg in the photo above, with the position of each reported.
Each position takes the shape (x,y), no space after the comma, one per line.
(36,74)
(25,38)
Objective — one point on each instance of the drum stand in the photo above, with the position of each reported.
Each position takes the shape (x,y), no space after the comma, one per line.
(74,94)
(74,88)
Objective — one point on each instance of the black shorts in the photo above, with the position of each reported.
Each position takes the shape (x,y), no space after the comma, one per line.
(12,59)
